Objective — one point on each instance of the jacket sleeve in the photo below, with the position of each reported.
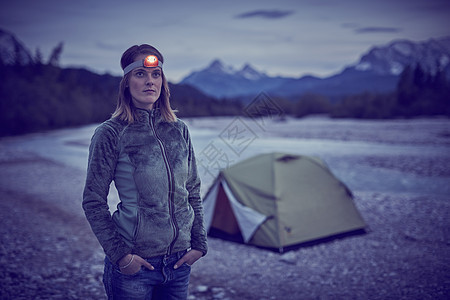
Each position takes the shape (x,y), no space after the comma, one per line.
(103,155)
(198,232)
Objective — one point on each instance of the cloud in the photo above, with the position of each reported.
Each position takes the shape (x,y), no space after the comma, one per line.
(378,30)
(265,14)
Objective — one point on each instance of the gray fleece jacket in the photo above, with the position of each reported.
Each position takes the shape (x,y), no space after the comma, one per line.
(153,166)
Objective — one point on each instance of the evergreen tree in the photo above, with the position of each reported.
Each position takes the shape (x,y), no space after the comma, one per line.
(405,88)
(38,57)
(55,55)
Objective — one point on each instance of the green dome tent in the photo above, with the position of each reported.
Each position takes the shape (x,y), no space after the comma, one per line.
(278,200)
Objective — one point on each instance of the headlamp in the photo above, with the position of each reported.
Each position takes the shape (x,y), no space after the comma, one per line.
(151,61)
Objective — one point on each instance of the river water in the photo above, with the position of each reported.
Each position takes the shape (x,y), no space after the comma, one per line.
(395,156)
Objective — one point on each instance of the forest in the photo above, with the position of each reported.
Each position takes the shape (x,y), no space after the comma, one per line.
(43,96)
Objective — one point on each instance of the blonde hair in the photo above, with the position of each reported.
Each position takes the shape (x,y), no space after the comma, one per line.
(125,109)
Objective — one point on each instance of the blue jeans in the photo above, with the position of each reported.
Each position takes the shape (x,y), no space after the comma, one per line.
(162,283)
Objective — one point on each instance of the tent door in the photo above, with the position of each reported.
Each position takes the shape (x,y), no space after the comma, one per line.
(223,218)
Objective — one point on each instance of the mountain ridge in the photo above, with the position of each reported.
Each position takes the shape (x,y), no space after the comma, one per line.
(377,70)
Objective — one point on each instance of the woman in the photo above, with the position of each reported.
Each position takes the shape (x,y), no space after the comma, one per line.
(157,231)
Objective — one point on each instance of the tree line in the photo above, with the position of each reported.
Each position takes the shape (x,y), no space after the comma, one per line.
(417,94)
(40,96)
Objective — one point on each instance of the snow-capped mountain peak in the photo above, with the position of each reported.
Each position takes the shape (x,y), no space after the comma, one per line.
(218,67)
(250,73)
(432,55)
(377,71)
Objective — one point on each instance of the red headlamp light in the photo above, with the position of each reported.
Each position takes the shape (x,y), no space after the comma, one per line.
(151,61)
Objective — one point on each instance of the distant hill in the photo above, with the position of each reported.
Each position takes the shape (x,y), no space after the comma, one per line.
(37,95)
(378,70)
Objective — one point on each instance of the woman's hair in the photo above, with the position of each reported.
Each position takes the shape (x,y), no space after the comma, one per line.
(125,109)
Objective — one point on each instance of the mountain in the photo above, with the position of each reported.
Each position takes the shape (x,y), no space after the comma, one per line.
(376,71)
(12,51)
(432,55)
(220,80)
(250,73)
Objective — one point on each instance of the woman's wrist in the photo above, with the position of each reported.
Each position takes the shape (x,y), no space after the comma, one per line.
(125,262)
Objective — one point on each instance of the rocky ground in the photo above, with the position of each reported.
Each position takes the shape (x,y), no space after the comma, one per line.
(47,250)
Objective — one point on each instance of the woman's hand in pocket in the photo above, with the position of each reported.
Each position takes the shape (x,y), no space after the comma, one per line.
(189,258)
(131,264)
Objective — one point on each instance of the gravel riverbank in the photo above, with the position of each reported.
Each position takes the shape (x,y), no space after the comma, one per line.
(48,251)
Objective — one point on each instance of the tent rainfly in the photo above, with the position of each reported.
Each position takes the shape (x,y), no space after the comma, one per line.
(278,200)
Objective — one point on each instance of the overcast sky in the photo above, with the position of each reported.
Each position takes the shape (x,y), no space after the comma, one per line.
(285,37)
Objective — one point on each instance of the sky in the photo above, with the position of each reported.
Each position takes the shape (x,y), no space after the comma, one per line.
(281,38)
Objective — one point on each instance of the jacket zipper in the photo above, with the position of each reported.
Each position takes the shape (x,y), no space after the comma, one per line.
(173,222)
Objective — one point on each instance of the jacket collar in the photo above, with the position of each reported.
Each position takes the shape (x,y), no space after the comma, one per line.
(144,115)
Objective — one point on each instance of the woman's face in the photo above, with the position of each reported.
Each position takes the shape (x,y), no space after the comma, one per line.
(145,85)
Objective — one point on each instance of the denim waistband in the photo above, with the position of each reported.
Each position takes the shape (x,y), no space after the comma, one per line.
(162,259)
(167,258)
